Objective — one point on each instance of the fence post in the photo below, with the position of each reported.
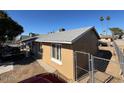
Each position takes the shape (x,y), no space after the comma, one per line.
(89,62)
(122,66)
(92,68)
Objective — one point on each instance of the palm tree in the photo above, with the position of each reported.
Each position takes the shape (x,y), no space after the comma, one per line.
(108,19)
(102,19)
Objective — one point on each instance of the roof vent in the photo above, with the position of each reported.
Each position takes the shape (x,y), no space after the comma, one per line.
(61,29)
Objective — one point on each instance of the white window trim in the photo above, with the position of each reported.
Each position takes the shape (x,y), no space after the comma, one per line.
(54,59)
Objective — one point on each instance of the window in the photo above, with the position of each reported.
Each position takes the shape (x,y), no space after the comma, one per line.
(53,51)
(56,53)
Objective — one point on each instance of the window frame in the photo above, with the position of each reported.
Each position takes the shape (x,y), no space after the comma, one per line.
(57,53)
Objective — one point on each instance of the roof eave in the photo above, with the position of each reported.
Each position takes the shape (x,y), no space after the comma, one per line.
(61,42)
(29,39)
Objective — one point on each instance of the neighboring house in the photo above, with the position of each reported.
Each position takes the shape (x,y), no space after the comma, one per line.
(37,47)
(27,44)
(105,40)
(58,49)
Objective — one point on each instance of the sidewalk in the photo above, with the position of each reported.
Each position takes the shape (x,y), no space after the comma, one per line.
(46,66)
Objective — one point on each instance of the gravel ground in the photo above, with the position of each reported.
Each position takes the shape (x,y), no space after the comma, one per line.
(23,69)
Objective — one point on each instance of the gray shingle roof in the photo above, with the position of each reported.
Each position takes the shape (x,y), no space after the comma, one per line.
(68,36)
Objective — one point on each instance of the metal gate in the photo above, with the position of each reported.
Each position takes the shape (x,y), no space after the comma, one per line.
(83,65)
(93,69)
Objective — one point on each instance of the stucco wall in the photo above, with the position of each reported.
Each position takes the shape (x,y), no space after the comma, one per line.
(66,68)
(87,43)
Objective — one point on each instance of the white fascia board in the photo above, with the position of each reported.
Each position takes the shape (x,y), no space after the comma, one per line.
(56,42)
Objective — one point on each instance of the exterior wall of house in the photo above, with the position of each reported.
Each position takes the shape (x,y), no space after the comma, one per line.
(66,68)
(87,43)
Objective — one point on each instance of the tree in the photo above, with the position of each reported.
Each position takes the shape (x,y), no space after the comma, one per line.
(117,31)
(108,19)
(9,28)
(102,19)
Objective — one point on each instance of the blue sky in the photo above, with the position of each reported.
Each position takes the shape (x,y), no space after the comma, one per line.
(44,21)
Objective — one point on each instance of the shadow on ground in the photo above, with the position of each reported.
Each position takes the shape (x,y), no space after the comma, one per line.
(24,61)
(101,65)
(17,60)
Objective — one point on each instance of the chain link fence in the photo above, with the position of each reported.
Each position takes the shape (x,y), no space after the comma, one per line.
(93,69)
(120,56)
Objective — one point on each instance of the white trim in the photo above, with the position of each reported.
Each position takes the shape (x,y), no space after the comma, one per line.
(56,42)
(56,61)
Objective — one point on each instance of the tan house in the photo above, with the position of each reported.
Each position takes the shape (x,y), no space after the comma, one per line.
(105,40)
(58,49)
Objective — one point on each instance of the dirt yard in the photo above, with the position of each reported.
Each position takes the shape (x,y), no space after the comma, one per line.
(23,69)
